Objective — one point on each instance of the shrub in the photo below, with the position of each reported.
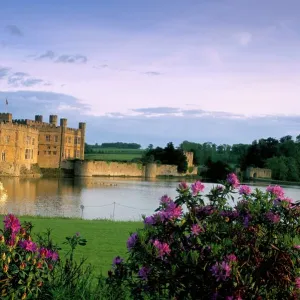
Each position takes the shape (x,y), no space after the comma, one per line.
(203,247)
(25,266)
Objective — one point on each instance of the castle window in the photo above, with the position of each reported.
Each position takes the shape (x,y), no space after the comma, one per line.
(49,152)
(78,140)
(3,156)
(33,140)
(54,152)
(28,140)
(47,138)
(69,153)
(69,140)
(31,153)
(56,138)
(7,139)
(75,140)
(27,153)
(77,154)
(45,152)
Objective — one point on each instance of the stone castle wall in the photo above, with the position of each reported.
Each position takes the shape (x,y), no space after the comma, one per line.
(103,168)
(258,173)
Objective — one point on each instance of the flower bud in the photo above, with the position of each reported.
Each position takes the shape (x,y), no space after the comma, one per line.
(5,268)
(3,256)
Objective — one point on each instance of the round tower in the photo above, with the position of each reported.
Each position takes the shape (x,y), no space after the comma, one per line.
(53,120)
(39,118)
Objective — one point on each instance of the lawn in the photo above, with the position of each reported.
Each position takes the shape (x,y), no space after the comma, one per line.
(105,239)
(111,154)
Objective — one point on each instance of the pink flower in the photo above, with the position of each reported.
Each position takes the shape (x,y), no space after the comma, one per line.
(287,201)
(231,257)
(173,211)
(163,248)
(28,246)
(275,190)
(197,187)
(297,283)
(183,186)
(196,229)
(221,271)
(275,218)
(165,200)
(297,247)
(245,190)
(11,222)
(233,180)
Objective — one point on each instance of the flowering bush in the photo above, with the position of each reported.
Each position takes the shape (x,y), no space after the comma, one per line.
(25,266)
(215,250)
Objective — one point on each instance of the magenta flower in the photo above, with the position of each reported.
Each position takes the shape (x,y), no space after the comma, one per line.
(117,260)
(12,240)
(54,256)
(173,211)
(131,241)
(233,180)
(45,253)
(163,248)
(143,273)
(221,271)
(197,187)
(149,220)
(231,258)
(220,188)
(196,229)
(275,190)
(245,190)
(11,222)
(274,218)
(297,247)
(28,246)
(297,283)
(165,200)
(183,186)
(287,201)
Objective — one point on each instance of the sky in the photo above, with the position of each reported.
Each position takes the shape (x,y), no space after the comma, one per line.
(224,71)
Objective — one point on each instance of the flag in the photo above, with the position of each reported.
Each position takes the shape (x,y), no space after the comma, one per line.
(6,102)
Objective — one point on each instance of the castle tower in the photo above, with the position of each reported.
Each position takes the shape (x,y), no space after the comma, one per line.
(38,118)
(6,117)
(63,128)
(82,127)
(53,120)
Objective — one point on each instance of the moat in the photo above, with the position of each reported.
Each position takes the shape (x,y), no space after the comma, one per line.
(118,198)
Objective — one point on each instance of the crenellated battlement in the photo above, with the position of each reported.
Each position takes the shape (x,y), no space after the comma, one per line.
(17,126)
(25,141)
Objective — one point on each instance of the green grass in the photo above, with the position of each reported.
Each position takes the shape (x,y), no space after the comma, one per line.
(112,154)
(105,239)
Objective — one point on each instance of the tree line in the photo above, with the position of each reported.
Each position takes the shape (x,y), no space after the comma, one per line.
(118,145)
(282,156)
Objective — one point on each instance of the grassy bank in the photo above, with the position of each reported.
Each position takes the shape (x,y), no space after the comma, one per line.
(111,154)
(105,239)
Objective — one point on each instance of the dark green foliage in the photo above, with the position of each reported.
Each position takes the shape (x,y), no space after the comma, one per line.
(216,171)
(168,155)
(118,145)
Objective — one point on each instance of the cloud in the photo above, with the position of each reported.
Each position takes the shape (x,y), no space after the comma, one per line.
(156,110)
(152,73)
(3,72)
(78,58)
(62,58)
(14,30)
(244,38)
(48,54)
(26,104)
(22,79)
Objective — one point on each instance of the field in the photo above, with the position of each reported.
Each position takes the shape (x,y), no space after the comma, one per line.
(105,239)
(111,154)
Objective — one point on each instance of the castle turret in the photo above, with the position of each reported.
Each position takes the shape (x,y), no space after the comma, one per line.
(38,118)
(6,117)
(82,127)
(63,128)
(53,120)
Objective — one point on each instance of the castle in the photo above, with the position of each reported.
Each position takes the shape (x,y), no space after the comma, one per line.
(28,143)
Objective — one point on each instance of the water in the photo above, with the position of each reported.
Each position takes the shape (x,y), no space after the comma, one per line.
(101,198)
